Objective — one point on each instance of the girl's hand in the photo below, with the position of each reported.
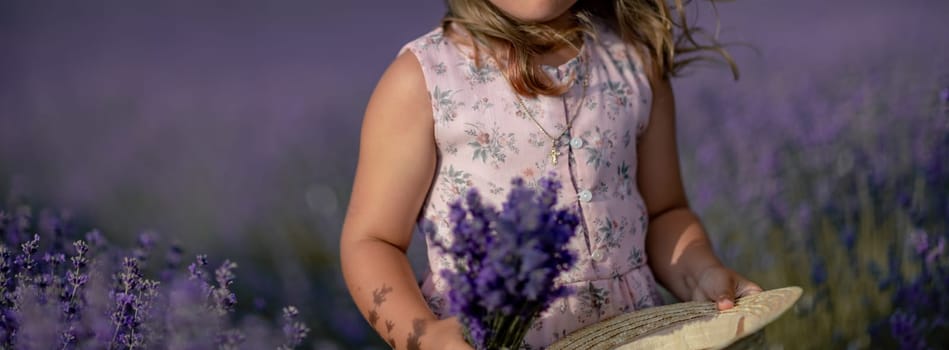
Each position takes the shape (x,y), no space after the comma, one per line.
(722,285)
(446,334)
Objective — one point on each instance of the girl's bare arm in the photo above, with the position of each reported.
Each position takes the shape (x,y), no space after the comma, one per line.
(394,171)
(678,249)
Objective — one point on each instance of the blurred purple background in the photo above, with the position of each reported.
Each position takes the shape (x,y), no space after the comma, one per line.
(233,125)
(191,116)
(207,117)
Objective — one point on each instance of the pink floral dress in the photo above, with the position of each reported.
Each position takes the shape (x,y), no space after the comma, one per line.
(484,139)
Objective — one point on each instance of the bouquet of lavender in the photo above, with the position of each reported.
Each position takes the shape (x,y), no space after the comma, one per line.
(506,262)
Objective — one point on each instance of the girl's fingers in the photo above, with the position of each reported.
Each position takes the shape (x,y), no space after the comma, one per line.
(746,288)
(718,285)
(722,286)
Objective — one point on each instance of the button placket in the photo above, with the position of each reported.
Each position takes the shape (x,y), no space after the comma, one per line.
(597,256)
(585,196)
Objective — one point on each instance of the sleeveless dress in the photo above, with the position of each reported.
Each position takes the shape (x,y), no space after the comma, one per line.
(484,140)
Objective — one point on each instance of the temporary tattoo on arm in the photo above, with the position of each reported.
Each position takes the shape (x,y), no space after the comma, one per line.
(389,326)
(373,317)
(379,295)
(378,298)
(418,330)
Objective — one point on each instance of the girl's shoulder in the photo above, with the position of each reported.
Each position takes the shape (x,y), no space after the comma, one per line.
(618,48)
(431,39)
(447,60)
(607,35)
(443,44)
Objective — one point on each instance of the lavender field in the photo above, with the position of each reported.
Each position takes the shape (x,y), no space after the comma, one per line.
(231,129)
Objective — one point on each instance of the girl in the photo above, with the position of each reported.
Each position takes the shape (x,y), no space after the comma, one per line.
(509,88)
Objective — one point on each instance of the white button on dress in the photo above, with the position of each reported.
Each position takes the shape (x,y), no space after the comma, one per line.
(598,256)
(586,195)
(576,142)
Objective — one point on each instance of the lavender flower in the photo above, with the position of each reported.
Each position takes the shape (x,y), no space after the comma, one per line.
(77,300)
(919,240)
(196,269)
(76,278)
(230,339)
(6,276)
(507,261)
(223,300)
(936,251)
(906,330)
(146,241)
(133,300)
(293,330)
(25,260)
(96,239)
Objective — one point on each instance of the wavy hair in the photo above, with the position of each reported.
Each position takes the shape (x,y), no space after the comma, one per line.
(662,37)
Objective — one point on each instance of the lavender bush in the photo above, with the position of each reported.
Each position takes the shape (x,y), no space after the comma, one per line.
(507,261)
(89,295)
(920,318)
(836,181)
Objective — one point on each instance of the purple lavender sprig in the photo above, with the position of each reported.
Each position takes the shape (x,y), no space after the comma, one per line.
(133,300)
(146,242)
(71,298)
(223,299)
(907,330)
(8,324)
(506,262)
(921,303)
(25,261)
(294,331)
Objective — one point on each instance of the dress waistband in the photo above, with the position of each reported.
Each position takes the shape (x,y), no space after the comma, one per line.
(597,277)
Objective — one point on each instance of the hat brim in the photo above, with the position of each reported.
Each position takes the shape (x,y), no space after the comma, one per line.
(689,325)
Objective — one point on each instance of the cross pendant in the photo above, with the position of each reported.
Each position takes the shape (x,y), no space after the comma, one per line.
(554,153)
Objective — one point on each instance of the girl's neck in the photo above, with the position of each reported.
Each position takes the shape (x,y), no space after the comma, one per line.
(562,53)
(563,22)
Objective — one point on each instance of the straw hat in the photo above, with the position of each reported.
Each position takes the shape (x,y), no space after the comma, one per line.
(690,325)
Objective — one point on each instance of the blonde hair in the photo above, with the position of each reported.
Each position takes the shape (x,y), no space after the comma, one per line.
(658,36)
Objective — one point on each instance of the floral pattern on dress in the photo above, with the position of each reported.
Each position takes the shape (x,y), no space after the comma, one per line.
(484,137)
(599,147)
(490,146)
(618,94)
(625,183)
(476,75)
(593,301)
(537,139)
(610,231)
(451,149)
(482,105)
(529,110)
(439,68)
(620,59)
(636,257)
(457,182)
(444,105)
(436,303)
